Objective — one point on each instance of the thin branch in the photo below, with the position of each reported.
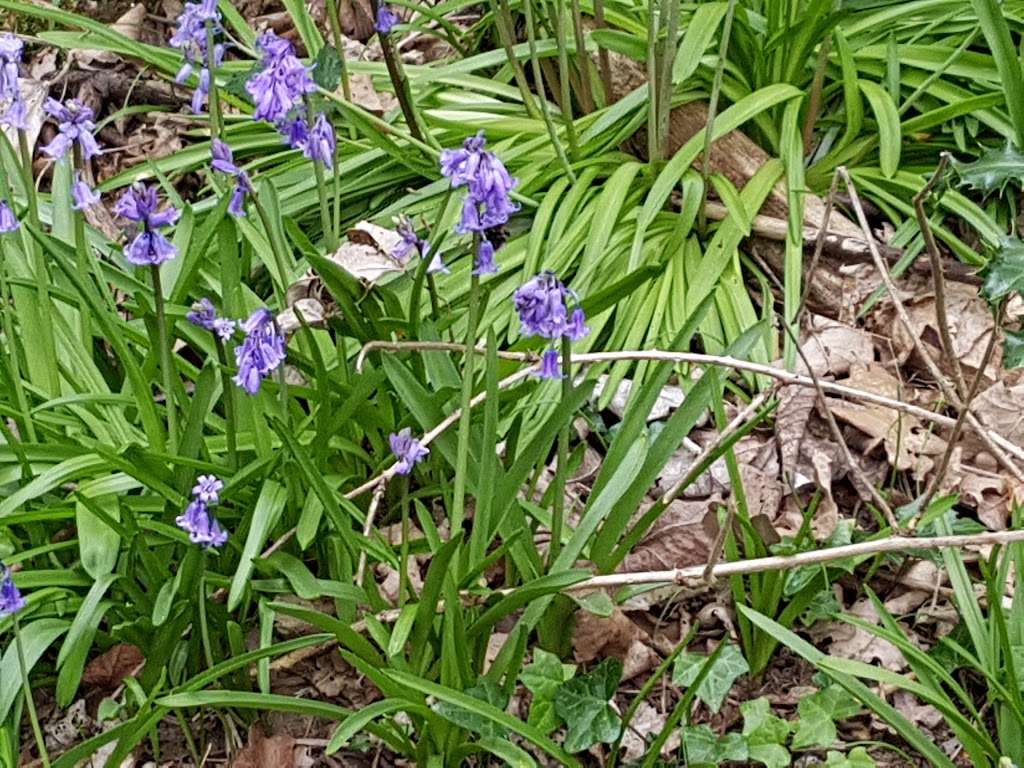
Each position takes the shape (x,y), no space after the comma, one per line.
(371,516)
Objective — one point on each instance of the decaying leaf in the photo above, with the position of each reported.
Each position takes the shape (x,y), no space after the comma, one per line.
(130,24)
(615,636)
(110,668)
(312,312)
(266,752)
(851,642)
(676,540)
(669,398)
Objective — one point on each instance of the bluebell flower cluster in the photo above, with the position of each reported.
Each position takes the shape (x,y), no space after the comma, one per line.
(408,450)
(197,520)
(487,203)
(204,315)
(8,221)
(386,20)
(15,111)
(11,600)
(224,161)
(83,195)
(141,204)
(543,305)
(261,353)
(75,126)
(191,39)
(413,242)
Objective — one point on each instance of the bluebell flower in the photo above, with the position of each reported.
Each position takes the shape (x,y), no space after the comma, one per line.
(485,263)
(319,145)
(541,306)
(207,489)
(576,329)
(11,600)
(202,527)
(295,132)
(282,82)
(15,112)
(386,20)
(487,181)
(411,241)
(224,161)
(408,450)
(75,126)
(261,353)
(191,39)
(204,314)
(549,365)
(83,195)
(8,221)
(140,204)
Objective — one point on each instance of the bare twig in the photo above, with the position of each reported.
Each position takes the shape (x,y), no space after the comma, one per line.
(938,278)
(371,516)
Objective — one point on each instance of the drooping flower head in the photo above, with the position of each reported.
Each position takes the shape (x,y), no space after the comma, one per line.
(204,314)
(544,309)
(224,161)
(207,489)
(83,195)
(261,353)
(190,37)
(320,143)
(413,242)
(11,600)
(485,263)
(408,450)
(75,126)
(386,20)
(8,221)
(15,112)
(487,181)
(282,82)
(141,204)
(202,527)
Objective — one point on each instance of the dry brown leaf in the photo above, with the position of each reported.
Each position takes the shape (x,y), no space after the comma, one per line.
(849,642)
(266,752)
(1001,408)
(832,347)
(676,540)
(646,722)
(921,580)
(369,98)
(919,714)
(312,312)
(130,24)
(368,233)
(669,398)
(110,668)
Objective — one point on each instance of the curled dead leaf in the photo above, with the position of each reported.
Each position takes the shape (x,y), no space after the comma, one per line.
(110,668)
(312,312)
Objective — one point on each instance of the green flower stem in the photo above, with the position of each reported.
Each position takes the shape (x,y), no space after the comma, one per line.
(465,420)
(26,175)
(216,118)
(562,469)
(164,341)
(82,252)
(563,77)
(401,85)
(204,628)
(503,21)
(582,59)
(330,237)
(230,411)
(709,129)
(30,704)
(275,248)
(538,78)
(334,17)
(26,422)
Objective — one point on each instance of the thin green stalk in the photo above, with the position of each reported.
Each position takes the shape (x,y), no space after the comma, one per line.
(325,208)
(403,92)
(26,175)
(30,704)
(230,411)
(653,144)
(216,119)
(563,78)
(561,470)
(538,79)
(503,21)
(82,253)
(190,741)
(668,57)
(164,341)
(283,273)
(465,417)
(582,59)
(204,629)
(709,129)
(334,18)
(26,422)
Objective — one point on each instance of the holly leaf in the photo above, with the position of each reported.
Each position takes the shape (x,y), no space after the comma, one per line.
(724,671)
(584,704)
(765,733)
(484,690)
(857,757)
(992,170)
(543,677)
(704,747)
(1005,271)
(327,68)
(1013,349)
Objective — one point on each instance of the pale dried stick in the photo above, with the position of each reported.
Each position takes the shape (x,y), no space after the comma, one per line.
(901,311)
(371,516)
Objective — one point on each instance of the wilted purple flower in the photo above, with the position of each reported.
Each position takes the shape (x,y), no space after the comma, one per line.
(140,203)
(549,365)
(386,20)
(319,145)
(488,184)
(224,161)
(204,314)
(541,306)
(75,125)
(261,353)
(207,489)
(282,82)
(11,600)
(202,527)
(223,158)
(408,450)
(8,221)
(83,195)
(191,38)
(485,263)
(10,92)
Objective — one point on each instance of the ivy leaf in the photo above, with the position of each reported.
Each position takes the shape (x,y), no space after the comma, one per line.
(1005,271)
(765,733)
(543,677)
(729,665)
(704,747)
(1013,349)
(584,704)
(817,727)
(992,170)
(327,68)
(857,757)
(484,690)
